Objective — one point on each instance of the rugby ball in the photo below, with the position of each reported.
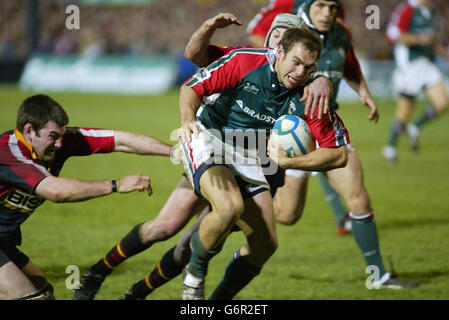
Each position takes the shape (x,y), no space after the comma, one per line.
(294,135)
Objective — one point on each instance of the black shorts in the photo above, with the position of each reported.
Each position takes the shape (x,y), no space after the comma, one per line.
(10,252)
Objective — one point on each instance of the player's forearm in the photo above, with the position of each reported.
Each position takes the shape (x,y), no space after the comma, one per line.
(322,159)
(58,189)
(197,47)
(140,144)
(410,39)
(189,103)
(360,87)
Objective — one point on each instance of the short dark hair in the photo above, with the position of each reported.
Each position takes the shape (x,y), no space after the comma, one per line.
(38,110)
(307,38)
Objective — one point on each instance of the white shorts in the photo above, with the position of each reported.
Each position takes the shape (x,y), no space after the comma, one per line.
(296,173)
(208,150)
(417,75)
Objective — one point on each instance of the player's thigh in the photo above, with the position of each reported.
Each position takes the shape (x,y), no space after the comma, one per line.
(219,187)
(438,96)
(258,224)
(14,283)
(290,198)
(404,109)
(180,207)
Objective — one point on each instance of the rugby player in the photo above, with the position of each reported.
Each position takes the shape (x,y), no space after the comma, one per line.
(31,158)
(254,87)
(412,31)
(338,60)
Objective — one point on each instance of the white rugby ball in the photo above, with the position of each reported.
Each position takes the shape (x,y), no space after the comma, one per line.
(294,135)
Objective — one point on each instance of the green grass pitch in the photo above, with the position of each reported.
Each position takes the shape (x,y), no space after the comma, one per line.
(410,200)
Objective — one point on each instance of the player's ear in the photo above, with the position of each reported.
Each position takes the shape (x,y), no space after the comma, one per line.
(279,51)
(28,130)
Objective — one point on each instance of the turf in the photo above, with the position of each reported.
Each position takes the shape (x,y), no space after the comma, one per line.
(410,200)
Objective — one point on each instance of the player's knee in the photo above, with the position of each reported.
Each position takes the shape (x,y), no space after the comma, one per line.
(44,294)
(231,211)
(287,216)
(159,232)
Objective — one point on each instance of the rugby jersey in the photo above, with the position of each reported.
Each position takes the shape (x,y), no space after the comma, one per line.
(240,91)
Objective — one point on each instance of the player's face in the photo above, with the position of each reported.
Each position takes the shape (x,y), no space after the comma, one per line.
(276,37)
(47,141)
(322,14)
(294,67)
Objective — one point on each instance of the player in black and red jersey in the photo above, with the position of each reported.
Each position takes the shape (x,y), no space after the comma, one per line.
(31,158)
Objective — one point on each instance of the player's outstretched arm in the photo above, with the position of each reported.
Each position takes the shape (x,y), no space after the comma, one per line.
(322,159)
(197,47)
(140,144)
(365,97)
(59,189)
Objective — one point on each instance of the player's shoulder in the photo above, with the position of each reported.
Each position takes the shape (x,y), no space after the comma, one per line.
(245,57)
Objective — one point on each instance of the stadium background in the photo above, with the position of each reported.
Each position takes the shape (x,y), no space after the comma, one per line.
(121,70)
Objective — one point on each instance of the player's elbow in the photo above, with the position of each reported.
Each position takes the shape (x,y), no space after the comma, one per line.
(57,196)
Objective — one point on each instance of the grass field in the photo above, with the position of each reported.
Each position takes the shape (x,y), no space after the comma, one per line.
(410,200)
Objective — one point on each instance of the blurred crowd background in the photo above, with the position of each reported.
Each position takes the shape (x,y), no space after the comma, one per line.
(164,26)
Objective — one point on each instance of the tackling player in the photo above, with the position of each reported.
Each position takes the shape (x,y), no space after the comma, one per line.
(31,158)
(338,60)
(412,30)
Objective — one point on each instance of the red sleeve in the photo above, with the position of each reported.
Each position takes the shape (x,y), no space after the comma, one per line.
(405,19)
(86,141)
(261,23)
(352,70)
(400,21)
(18,170)
(329,131)
(226,72)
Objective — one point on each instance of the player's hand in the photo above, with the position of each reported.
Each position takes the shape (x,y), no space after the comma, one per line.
(317,94)
(176,154)
(134,183)
(277,153)
(187,130)
(368,101)
(222,20)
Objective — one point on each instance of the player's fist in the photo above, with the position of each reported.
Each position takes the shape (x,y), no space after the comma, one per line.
(277,153)
(134,183)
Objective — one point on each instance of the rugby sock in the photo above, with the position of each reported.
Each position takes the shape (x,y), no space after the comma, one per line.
(200,257)
(165,270)
(129,246)
(332,198)
(238,274)
(364,231)
(429,114)
(396,129)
